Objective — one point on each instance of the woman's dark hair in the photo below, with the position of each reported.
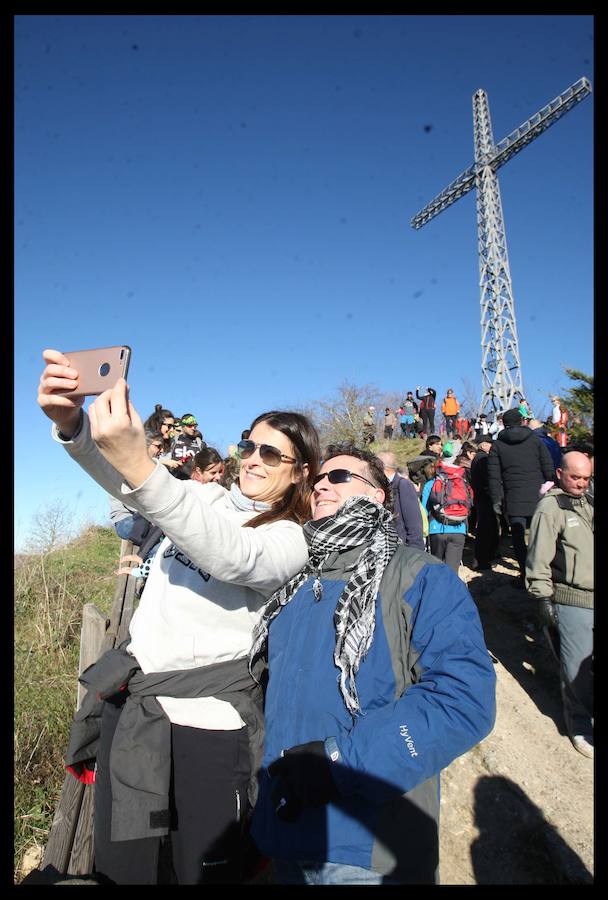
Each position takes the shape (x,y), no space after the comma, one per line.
(152,435)
(155,420)
(375,468)
(208,456)
(294,505)
(231,471)
(432,439)
(184,473)
(468,445)
(422,470)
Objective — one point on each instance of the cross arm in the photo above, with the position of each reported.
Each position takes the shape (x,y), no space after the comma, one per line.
(454,191)
(539,122)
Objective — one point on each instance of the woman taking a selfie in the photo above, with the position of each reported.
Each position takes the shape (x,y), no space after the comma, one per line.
(180,725)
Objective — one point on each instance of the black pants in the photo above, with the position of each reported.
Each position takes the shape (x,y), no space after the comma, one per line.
(428,420)
(208,802)
(518,535)
(450,425)
(448,548)
(486,534)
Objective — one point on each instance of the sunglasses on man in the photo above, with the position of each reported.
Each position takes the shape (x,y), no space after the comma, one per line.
(270,456)
(341,476)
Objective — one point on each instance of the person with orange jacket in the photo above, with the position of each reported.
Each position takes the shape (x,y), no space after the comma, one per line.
(450,408)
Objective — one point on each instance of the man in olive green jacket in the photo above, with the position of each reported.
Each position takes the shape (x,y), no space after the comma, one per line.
(559,573)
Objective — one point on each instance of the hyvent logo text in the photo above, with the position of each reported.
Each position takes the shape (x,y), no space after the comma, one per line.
(404,732)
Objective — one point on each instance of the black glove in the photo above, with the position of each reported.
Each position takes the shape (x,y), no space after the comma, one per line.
(303,779)
(547,613)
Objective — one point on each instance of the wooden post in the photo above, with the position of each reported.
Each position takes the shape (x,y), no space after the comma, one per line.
(82,856)
(70,844)
(127,611)
(126,548)
(94,625)
(61,836)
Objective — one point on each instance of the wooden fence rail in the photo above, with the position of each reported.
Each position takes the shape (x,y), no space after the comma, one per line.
(69,848)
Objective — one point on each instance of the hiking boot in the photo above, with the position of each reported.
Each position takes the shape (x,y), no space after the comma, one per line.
(584,744)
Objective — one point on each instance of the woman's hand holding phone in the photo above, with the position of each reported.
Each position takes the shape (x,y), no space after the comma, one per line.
(118,431)
(64,411)
(116,427)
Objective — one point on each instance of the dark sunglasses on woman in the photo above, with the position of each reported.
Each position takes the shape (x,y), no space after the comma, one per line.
(270,456)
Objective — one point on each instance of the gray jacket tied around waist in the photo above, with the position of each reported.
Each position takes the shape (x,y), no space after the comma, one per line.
(140,758)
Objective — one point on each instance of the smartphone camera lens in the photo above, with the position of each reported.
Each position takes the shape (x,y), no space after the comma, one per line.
(104,369)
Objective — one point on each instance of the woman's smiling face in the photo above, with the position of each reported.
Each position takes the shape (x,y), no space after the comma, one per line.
(262,482)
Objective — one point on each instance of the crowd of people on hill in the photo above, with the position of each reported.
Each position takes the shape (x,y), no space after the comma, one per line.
(238,714)
(416,418)
(516,476)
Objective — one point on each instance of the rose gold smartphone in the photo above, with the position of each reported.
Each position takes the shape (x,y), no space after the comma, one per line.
(98,370)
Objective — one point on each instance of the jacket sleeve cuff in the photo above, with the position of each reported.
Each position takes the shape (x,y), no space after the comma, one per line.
(58,436)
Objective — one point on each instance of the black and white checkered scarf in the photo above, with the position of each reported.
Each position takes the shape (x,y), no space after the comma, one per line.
(360,520)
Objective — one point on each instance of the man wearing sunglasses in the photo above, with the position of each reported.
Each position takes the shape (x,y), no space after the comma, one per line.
(189,442)
(378,678)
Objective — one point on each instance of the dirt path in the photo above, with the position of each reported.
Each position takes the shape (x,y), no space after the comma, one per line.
(517,809)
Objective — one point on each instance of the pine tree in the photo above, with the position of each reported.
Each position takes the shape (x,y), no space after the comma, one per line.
(579,403)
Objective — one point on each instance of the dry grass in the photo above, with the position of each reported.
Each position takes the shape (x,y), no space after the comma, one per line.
(51,587)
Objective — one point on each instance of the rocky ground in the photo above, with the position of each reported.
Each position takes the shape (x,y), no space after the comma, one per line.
(518,808)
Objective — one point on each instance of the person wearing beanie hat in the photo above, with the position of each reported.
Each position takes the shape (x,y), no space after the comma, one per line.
(512,417)
(486,525)
(517,467)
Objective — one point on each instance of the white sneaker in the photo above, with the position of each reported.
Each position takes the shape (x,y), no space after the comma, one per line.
(584,744)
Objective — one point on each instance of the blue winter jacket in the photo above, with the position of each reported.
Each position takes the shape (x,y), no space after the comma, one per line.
(427,694)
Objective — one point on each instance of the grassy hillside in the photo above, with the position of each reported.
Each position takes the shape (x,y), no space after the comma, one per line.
(50,591)
(403,448)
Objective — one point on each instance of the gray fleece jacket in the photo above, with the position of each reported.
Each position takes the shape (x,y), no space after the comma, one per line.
(559,561)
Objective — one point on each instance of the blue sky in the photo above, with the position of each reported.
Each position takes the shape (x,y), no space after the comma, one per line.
(231,196)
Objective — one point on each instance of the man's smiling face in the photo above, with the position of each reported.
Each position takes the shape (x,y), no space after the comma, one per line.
(327,498)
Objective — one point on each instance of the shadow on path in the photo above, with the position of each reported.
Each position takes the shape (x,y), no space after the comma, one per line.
(508,617)
(530,851)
